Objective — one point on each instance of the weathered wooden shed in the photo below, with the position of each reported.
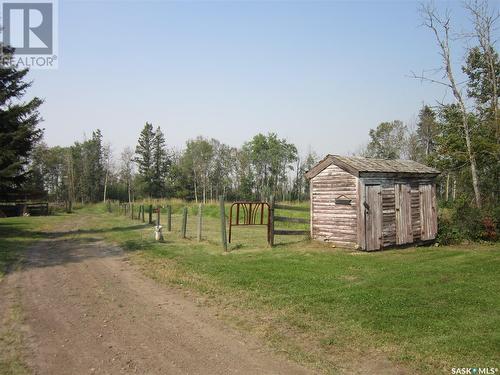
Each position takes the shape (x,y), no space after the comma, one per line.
(370,204)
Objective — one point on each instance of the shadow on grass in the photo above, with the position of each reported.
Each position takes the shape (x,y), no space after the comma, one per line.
(19,243)
(9,230)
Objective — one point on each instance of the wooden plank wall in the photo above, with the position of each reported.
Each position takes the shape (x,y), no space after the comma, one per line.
(340,223)
(415,212)
(434,208)
(417,185)
(428,211)
(373,214)
(329,221)
(404,233)
(389,216)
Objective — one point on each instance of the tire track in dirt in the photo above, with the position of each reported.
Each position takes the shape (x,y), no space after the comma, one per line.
(87,310)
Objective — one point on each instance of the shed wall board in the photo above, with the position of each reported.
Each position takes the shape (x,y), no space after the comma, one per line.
(402,195)
(373,217)
(428,211)
(333,222)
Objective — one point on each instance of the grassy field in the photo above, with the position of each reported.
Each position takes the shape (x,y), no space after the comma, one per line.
(427,308)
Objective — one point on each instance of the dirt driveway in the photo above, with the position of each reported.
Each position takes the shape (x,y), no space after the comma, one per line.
(86,310)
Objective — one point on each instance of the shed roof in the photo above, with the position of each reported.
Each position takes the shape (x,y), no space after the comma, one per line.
(357,166)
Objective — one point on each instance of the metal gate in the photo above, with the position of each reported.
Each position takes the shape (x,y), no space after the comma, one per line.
(250,213)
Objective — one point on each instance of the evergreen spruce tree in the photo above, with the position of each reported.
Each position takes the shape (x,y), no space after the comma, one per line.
(160,163)
(427,129)
(144,158)
(18,125)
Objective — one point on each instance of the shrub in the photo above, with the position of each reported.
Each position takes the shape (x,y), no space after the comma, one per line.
(489,232)
(462,221)
(448,233)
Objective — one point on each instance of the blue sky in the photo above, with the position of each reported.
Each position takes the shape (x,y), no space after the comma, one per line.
(319,73)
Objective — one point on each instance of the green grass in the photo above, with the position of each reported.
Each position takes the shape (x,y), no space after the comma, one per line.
(427,308)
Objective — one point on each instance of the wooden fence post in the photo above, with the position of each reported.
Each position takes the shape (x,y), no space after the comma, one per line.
(158,216)
(150,214)
(223,223)
(142,213)
(169,218)
(132,211)
(200,220)
(271,222)
(184,222)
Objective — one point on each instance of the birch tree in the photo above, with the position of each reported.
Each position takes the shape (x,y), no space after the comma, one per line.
(107,156)
(126,169)
(441,28)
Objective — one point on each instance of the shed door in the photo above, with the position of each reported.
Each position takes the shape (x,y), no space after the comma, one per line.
(428,211)
(402,195)
(373,217)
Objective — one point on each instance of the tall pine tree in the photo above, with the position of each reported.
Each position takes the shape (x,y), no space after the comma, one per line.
(18,125)
(152,161)
(144,158)
(160,163)
(427,129)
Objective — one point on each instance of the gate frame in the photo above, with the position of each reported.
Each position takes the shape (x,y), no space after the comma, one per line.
(250,210)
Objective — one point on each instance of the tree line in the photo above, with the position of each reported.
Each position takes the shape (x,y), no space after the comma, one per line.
(205,169)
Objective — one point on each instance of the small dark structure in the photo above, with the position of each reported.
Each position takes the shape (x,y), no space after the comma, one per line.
(21,209)
(21,203)
(370,204)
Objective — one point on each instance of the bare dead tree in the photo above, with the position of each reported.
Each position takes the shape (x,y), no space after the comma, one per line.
(484,21)
(70,176)
(107,165)
(127,170)
(441,28)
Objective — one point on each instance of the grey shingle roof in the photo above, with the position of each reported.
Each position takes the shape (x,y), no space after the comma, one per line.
(358,165)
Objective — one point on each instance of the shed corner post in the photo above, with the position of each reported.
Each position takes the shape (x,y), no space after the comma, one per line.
(311,207)
(361,214)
